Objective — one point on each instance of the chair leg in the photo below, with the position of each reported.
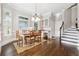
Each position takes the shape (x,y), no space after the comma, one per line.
(19,43)
(40,39)
(25,40)
(22,42)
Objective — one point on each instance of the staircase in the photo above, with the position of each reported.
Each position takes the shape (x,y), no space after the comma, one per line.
(70,37)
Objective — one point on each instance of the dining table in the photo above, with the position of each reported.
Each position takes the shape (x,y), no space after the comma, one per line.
(24,38)
(29,35)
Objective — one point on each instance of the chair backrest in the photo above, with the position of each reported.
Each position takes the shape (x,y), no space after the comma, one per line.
(31,33)
(17,34)
(40,32)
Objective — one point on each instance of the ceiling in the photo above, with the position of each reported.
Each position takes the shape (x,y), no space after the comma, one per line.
(42,8)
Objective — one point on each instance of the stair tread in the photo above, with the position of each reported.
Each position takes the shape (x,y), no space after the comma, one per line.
(71,37)
(69,40)
(70,31)
(70,34)
(70,43)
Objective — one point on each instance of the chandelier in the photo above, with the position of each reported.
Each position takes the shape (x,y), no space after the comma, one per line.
(35,17)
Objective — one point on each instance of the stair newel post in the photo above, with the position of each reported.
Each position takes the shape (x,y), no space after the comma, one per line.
(62,26)
(60,37)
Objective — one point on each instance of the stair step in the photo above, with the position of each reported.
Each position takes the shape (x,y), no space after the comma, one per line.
(70,29)
(70,43)
(69,40)
(74,32)
(69,34)
(70,37)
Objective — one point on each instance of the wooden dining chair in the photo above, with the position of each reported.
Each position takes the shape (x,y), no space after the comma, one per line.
(32,38)
(19,38)
(39,35)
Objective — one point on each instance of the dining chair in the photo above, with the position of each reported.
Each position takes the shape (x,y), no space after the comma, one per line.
(19,38)
(32,37)
(39,35)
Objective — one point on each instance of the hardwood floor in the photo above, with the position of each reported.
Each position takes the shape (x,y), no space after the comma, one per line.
(0,50)
(47,48)
(8,50)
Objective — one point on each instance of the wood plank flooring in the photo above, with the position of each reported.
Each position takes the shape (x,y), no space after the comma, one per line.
(8,50)
(47,48)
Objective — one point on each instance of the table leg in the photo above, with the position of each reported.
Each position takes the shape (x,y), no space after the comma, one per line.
(23,41)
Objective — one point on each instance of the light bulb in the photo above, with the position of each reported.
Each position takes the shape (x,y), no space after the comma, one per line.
(37,19)
(33,18)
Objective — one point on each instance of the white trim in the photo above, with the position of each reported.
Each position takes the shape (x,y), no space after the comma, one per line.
(4,42)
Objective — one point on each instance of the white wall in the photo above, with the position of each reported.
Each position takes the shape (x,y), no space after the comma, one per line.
(58,23)
(0,21)
(6,39)
(68,16)
(0,27)
(67,19)
(73,15)
(51,23)
(15,26)
(78,13)
(47,16)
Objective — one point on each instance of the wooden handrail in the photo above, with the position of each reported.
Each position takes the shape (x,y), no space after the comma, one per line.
(62,26)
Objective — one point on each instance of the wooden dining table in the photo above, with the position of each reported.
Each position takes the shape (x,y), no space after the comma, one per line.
(29,35)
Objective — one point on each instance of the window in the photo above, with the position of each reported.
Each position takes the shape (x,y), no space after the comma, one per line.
(7,23)
(23,25)
(35,26)
(46,22)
